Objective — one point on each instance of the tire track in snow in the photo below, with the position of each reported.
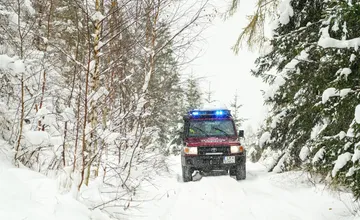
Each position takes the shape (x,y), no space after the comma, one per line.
(257,197)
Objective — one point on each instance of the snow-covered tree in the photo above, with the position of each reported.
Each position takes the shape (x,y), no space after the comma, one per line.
(91,89)
(193,93)
(312,68)
(208,99)
(251,143)
(235,106)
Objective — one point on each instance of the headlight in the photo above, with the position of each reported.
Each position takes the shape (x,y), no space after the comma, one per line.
(190,150)
(236,149)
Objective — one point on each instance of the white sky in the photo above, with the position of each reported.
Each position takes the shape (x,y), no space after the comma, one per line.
(226,71)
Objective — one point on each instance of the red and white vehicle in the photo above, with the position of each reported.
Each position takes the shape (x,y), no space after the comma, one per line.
(211,142)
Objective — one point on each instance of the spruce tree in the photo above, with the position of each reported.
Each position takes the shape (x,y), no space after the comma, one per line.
(291,96)
(192,93)
(209,95)
(235,107)
(314,90)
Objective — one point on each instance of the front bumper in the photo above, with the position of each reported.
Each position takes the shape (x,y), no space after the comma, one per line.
(211,162)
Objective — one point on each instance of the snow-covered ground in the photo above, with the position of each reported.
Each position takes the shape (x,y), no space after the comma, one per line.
(28,195)
(263,195)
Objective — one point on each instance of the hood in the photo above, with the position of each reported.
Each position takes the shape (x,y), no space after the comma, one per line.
(211,141)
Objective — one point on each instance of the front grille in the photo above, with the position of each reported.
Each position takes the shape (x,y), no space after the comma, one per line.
(212,150)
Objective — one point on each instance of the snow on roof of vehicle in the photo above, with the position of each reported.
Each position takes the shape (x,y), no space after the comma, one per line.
(213,106)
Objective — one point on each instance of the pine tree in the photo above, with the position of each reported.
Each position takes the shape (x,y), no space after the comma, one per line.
(192,93)
(336,145)
(314,90)
(235,108)
(167,95)
(209,95)
(251,143)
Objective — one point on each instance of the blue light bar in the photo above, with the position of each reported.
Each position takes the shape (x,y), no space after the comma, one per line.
(195,113)
(219,112)
(208,113)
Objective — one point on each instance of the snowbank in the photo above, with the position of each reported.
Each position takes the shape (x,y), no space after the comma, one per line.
(26,194)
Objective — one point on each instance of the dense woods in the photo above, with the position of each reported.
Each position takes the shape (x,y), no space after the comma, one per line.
(312,67)
(90,91)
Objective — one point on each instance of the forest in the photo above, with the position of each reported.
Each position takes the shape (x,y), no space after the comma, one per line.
(92,91)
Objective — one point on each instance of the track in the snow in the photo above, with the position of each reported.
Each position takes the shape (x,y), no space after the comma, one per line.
(262,195)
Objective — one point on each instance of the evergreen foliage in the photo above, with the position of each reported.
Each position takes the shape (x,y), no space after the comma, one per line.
(314,93)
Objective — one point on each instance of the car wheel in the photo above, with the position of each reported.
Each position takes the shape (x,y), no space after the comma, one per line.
(186,174)
(233,171)
(241,172)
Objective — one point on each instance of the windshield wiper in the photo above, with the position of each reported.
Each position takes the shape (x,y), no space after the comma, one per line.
(201,130)
(218,129)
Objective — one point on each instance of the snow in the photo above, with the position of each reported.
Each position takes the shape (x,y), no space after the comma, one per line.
(347,146)
(269,158)
(12,63)
(350,172)
(333,92)
(280,165)
(286,11)
(101,92)
(216,105)
(328,93)
(68,115)
(262,195)
(57,141)
(352,58)
(97,16)
(29,195)
(277,118)
(304,153)
(17,66)
(280,78)
(279,81)
(318,156)
(344,92)
(110,137)
(317,129)
(357,114)
(341,162)
(356,155)
(335,27)
(341,135)
(29,7)
(100,45)
(26,194)
(350,132)
(265,137)
(37,138)
(345,72)
(13,21)
(42,112)
(327,42)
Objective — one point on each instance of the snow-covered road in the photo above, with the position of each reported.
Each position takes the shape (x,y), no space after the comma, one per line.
(263,195)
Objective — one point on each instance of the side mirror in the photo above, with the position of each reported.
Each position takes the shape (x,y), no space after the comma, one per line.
(241,133)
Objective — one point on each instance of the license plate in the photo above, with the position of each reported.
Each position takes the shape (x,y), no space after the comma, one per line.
(229,159)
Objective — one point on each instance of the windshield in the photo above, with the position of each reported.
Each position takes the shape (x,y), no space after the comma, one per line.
(207,128)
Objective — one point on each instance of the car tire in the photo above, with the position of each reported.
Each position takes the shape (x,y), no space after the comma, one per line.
(241,172)
(232,171)
(186,174)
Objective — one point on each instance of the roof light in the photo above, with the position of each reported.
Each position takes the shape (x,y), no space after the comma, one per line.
(195,113)
(219,112)
(210,113)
